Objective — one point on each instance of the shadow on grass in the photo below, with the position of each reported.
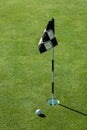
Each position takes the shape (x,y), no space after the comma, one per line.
(73,110)
(42,115)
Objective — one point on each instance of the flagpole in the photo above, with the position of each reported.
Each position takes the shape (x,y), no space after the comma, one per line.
(53,101)
(52,75)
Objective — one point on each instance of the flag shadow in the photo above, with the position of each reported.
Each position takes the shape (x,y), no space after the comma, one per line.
(84,114)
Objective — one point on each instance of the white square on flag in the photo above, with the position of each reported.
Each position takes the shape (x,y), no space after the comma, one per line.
(48,45)
(51,34)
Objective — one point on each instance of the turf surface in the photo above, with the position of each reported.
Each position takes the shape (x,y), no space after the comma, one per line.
(25,75)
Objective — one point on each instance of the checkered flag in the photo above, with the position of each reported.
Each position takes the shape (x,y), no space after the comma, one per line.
(48,39)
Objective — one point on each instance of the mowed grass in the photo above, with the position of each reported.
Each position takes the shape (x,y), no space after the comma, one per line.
(25,75)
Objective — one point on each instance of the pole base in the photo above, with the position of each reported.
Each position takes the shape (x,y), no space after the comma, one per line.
(53,101)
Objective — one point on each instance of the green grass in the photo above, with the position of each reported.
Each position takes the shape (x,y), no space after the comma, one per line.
(25,75)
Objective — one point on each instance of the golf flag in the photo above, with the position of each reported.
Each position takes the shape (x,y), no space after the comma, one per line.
(48,39)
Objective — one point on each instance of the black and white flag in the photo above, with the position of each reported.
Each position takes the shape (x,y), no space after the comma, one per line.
(48,39)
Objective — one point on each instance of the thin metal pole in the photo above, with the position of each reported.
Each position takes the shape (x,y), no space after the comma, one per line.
(52,76)
(53,101)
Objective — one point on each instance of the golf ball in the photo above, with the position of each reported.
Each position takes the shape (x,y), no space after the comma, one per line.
(38,112)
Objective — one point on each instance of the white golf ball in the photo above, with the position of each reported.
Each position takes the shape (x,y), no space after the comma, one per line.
(38,112)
